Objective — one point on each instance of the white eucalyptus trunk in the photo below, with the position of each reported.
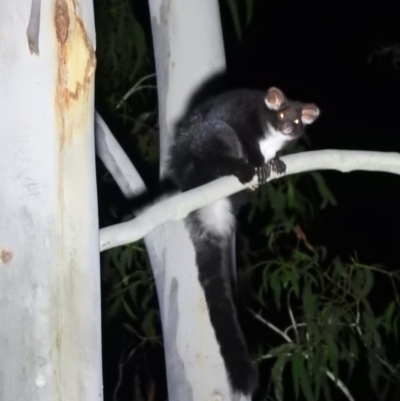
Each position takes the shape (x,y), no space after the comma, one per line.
(189,49)
(50,338)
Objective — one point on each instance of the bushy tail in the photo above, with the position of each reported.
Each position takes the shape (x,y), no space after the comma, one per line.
(212,252)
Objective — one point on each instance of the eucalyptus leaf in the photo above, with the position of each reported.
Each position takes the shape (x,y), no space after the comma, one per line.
(277,371)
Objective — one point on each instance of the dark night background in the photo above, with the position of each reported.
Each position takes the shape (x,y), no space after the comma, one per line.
(319,51)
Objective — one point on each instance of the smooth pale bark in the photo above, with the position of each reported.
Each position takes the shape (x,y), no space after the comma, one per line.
(188,47)
(50,338)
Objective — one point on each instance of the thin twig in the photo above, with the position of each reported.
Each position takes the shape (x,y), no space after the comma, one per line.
(135,88)
(291,327)
(340,385)
(392,370)
(292,317)
(337,381)
(121,366)
(271,326)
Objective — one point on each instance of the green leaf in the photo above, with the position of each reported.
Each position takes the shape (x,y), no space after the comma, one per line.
(277,371)
(333,355)
(319,370)
(129,311)
(148,326)
(387,317)
(351,355)
(324,191)
(375,370)
(295,283)
(369,282)
(338,268)
(282,349)
(113,309)
(276,287)
(327,391)
(313,331)
(233,8)
(277,199)
(297,365)
(308,302)
(140,44)
(305,382)
(133,291)
(369,320)
(396,326)
(291,196)
(249,11)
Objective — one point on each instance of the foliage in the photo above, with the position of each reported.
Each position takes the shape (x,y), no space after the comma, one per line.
(125,61)
(132,289)
(331,322)
(329,315)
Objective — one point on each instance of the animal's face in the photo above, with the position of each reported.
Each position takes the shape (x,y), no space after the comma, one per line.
(289,117)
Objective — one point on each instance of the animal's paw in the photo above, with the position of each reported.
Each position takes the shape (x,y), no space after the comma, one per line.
(245,172)
(263,173)
(276,165)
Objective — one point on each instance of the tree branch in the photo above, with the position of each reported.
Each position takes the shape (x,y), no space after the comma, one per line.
(116,161)
(179,206)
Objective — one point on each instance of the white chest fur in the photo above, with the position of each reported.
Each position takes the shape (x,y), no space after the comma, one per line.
(273,142)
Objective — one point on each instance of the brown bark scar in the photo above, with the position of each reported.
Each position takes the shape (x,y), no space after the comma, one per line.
(76,67)
(6,255)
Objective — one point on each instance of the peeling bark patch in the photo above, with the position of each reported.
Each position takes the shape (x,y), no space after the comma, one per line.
(62,21)
(76,67)
(6,256)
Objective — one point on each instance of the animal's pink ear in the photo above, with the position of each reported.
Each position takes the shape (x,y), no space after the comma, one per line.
(274,98)
(309,113)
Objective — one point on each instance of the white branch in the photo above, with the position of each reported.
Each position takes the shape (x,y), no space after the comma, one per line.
(179,206)
(116,161)
(340,384)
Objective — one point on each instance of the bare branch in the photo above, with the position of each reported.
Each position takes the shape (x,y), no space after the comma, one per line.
(135,88)
(179,206)
(292,319)
(271,326)
(116,161)
(340,385)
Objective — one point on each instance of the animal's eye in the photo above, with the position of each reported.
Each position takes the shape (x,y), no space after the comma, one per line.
(281,115)
(297,121)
